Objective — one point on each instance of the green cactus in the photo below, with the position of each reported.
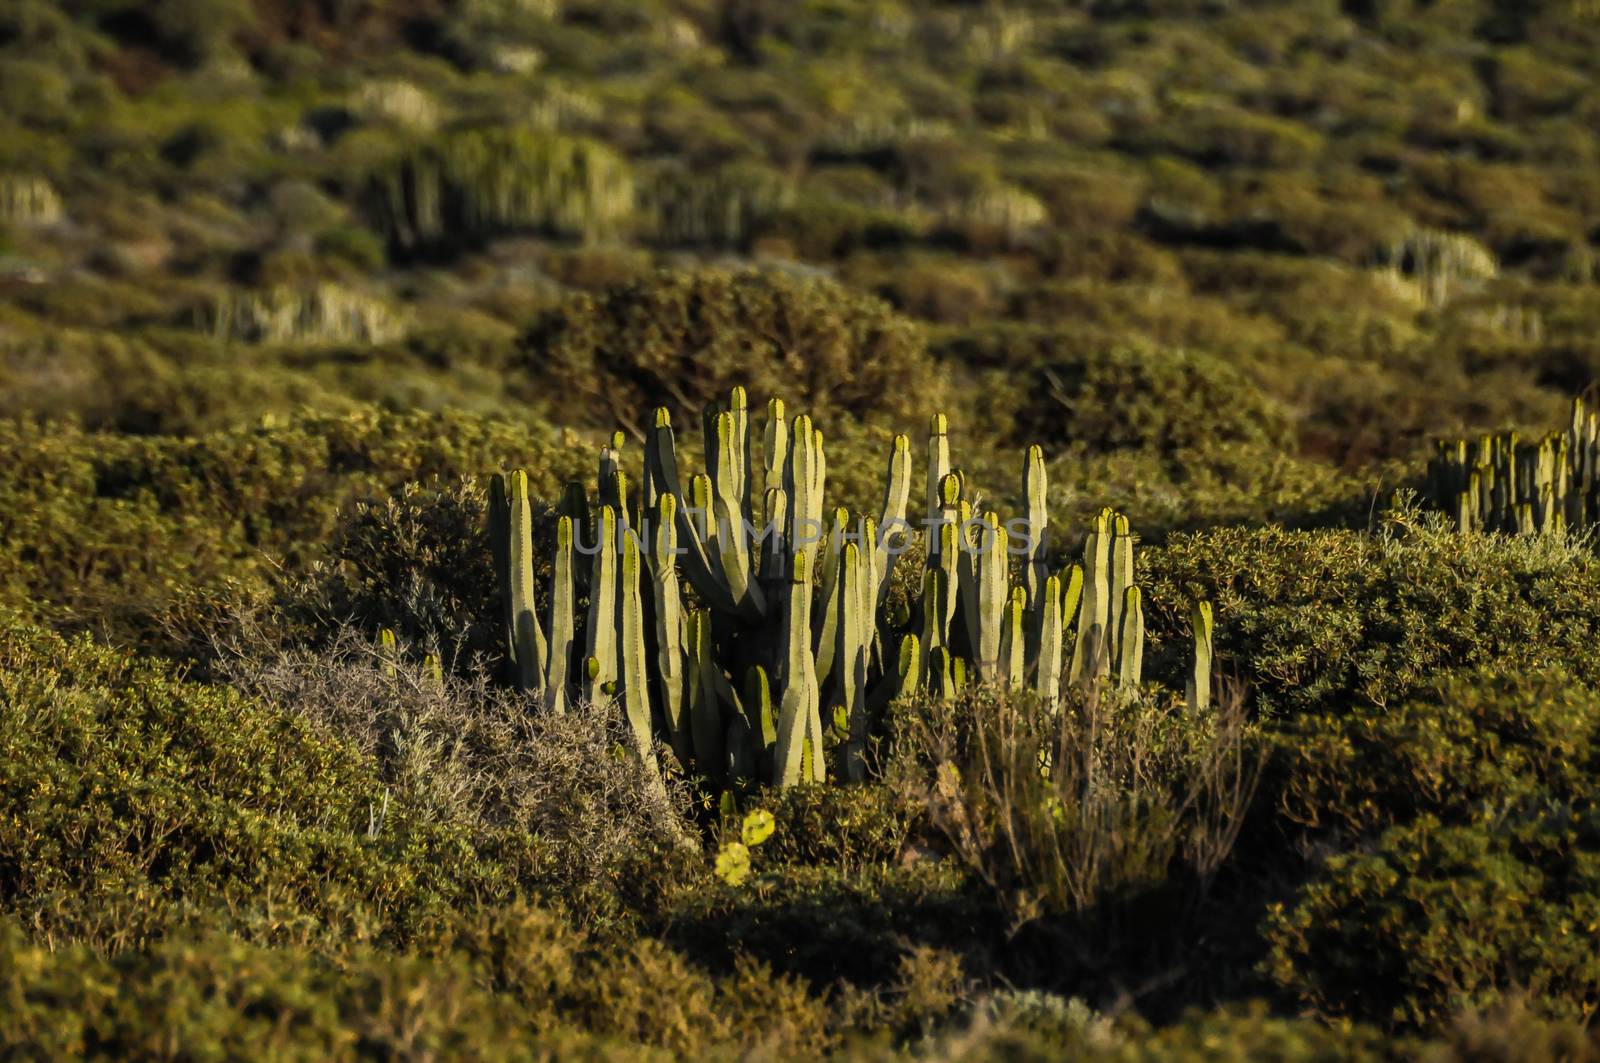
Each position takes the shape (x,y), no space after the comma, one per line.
(563,611)
(857,653)
(632,652)
(1035,489)
(1089,653)
(892,518)
(388,651)
(600,642)
(938,469)
(799,718)
(1014,641)
(1130,640)
(1198,693)
(1051,640)
(758,703)
(705,715)
(851,657)
(526,637)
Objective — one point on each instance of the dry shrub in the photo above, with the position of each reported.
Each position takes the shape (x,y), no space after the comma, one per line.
(1062,810)
(467,750)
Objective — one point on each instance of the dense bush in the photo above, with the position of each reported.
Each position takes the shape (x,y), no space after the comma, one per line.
(681,339)
(1048,387)
(1438,918)
(135,801)
(1328,619)
(1476,737)
(117,533)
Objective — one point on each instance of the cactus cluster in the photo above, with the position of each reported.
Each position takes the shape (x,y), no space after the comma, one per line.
(1499,483)
(735,617)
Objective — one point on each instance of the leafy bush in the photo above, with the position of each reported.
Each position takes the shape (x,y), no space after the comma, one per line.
(682,339)
(1477,737)
(134,800)
(511,983)
(1319,620)
(1049,387)
(1437,918)
(130,536)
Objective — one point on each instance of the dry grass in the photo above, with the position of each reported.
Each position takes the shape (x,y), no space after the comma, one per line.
(467,750)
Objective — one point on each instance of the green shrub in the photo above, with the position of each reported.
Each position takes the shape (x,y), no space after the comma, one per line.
(128,536)
(1057,391)
(134,801)
(683,339)
(1438,918)
(1322,620)
(1477,737)
(510,983)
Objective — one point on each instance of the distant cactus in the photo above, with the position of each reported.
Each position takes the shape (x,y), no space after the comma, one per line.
(1498,483)
(480,182)
(1442,263)
(28,198)
(322,314)
(796,607)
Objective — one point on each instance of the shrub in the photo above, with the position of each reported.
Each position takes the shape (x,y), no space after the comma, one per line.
(1482,736)
(1067,811)
(463,751)
(1438,918)
(128,535)
(1319,620)
(1051,388)
(134,800)
(683,339)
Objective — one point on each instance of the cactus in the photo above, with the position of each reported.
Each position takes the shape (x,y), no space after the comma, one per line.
(527,636)
(799,720)
(892,518)
(705,717)
(1035,489)
(563,626)
(1198,693)
(1499,483)
(388,651)
(600,642)
(839,645)
(851,658)
(1130,640)
(1089,652)
(631,651)
(1014,641)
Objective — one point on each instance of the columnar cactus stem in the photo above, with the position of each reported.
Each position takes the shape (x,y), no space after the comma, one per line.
(892,520)
(1198,694)
(1130,641)
(1089,654)
(563,625)
(1035,488)
(799,719)
(938,469)
(705,716)
(671,659)
(528,649)
(600,641)
(631,651)
(851,658)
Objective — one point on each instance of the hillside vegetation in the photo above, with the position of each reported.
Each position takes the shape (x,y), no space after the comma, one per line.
(287,291)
